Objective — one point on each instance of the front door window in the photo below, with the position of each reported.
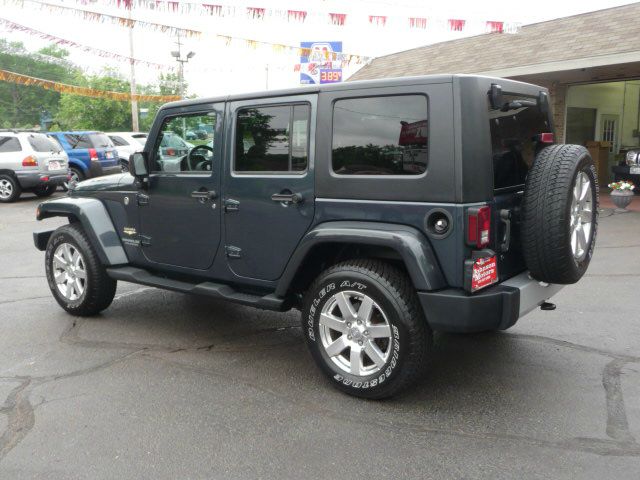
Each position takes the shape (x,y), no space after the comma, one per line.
(186,144)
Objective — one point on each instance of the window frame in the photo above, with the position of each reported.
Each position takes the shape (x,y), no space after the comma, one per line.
(272,173)
(154,151)
(332,172)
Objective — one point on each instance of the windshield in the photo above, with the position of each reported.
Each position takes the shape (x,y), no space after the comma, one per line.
(100,140)
(41,143)
(514,141)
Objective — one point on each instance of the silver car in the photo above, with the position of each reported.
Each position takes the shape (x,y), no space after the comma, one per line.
(32,162)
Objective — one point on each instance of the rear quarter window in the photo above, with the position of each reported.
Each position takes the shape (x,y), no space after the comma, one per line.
(385,135)
(514,142)
(9,144)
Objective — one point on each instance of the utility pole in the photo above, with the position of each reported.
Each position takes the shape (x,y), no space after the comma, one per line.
(177,54)
(135,124)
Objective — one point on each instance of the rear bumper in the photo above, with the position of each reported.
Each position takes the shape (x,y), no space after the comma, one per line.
(36,179)
(97,169)
(496,308)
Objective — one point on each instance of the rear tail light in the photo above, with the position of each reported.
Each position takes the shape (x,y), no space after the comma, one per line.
(30,161)
(93,155)
(479,226)
(546,138)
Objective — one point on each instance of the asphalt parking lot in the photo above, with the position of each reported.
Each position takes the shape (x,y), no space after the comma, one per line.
(163,385)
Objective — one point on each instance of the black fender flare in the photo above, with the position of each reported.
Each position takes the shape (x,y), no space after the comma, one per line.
(95,220)
(412,246)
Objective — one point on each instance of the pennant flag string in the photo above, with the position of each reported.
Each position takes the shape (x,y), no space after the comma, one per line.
(16,27)
(227,39)
(17,78)
(340,19)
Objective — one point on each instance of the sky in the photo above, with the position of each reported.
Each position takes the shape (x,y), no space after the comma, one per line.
(220,69)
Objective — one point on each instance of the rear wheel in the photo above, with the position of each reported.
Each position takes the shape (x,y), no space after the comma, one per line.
(365,328)
(45,190)
(560,214)
(75,176)
(76,277)
(10,189)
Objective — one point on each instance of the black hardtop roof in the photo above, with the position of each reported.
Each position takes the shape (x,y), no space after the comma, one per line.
(357,84)
(302,90)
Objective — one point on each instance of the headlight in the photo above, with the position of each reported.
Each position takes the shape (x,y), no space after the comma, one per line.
(632,157)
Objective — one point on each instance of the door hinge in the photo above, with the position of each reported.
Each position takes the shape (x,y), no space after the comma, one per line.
(233,252)
(145,240)
(231,205)
(143,199)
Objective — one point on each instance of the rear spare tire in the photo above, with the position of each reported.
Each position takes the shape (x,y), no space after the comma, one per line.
(560,214)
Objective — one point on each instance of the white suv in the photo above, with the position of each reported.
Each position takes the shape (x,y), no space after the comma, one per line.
(127,143)
(30,161)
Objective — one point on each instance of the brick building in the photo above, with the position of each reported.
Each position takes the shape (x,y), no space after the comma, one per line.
(589,62)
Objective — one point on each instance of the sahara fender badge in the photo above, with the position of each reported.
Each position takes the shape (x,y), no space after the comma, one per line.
(129,231)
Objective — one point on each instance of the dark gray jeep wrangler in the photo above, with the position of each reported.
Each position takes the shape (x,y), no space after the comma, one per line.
(383,210)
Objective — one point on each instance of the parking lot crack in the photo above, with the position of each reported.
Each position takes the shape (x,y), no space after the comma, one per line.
(617,423)
(20,417)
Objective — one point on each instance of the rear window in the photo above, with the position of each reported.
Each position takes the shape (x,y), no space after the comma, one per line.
(380,135)
(100,140)
(88,140)
(41,143)
(513,141)
(9,144)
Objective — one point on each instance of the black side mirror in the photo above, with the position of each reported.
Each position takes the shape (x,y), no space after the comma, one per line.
(139,166)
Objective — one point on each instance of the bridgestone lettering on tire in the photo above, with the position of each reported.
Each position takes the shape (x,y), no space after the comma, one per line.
(70,253)
(365,328)
(560,214)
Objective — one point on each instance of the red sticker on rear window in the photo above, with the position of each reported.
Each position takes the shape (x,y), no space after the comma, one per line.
(484,273)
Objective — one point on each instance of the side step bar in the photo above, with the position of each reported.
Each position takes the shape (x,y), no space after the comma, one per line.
(210,289)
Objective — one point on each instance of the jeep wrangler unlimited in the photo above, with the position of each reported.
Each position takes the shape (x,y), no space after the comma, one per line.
(383,210)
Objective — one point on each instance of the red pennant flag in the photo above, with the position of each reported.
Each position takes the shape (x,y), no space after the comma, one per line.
(418,22)
(297,15)
(173,6)
(338,18)
(378,20)
(456,25)
(296,67)
(495,27)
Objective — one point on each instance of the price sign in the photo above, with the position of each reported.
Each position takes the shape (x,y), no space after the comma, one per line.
(331,76)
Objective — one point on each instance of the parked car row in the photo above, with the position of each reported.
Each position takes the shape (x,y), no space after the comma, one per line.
(32,161)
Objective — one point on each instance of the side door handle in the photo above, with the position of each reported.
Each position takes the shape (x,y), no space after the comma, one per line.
(286,198)
(204,194)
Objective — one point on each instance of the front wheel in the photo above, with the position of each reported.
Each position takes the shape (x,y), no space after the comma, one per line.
(9,188)
(77,279)
(365,328)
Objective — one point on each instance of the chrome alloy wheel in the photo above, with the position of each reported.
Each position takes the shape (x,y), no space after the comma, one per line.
(355,333)
(581,216)
(6,188)
(69,271)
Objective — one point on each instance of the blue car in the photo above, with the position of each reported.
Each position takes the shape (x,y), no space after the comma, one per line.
(91,154)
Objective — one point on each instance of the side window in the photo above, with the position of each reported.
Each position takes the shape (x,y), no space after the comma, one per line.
(185,144)
(272,139)
(9,144)
(380,135)
(78,140)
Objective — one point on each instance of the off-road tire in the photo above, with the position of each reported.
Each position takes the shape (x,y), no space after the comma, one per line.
(393,291)
(16,188)
(100,288)
(546,214)
(45,190)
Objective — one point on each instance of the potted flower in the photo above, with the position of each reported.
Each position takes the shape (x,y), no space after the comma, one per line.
(622,194)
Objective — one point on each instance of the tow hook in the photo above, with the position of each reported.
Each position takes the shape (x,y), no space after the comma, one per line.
(547,306)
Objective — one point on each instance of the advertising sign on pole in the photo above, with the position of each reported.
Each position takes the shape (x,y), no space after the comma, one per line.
(323,64)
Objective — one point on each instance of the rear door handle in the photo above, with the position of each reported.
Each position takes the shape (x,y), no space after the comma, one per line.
(287,197)
(204,194)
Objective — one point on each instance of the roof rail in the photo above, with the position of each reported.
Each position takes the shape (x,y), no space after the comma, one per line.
(21,130)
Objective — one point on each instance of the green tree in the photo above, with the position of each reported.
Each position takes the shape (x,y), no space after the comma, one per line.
(87,113)
(22,105)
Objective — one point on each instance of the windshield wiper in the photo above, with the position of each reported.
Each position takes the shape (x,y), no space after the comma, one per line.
(517,104)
